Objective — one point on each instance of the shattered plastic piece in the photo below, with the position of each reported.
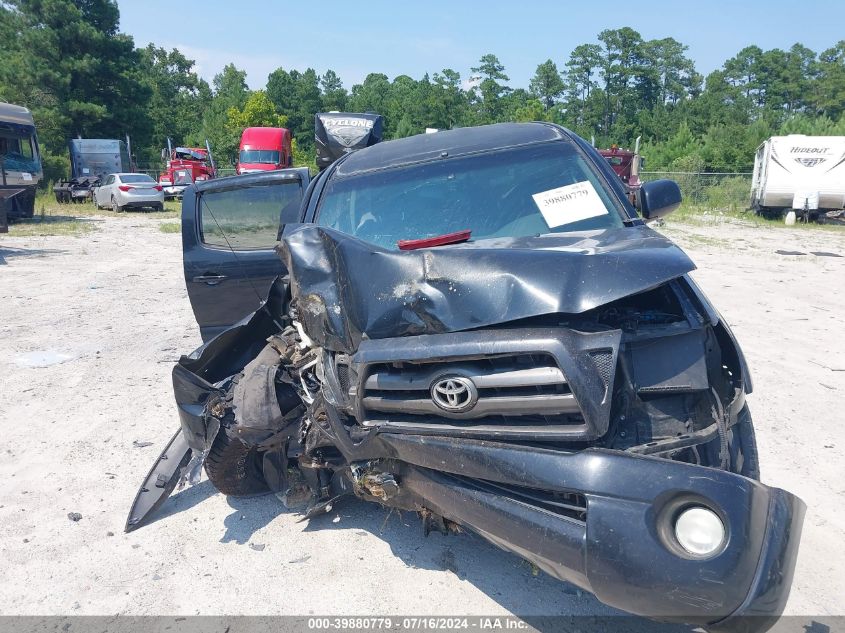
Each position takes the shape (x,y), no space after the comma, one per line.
(193,472)
(74,516)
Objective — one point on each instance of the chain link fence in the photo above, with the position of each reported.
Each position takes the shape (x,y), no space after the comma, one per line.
(729,191)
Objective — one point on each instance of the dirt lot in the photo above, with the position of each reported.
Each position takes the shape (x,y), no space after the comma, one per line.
(91,325)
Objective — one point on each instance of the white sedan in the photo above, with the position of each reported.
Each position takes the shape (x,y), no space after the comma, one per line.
(129,191)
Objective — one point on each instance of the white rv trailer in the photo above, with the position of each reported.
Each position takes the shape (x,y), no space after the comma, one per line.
(801,173)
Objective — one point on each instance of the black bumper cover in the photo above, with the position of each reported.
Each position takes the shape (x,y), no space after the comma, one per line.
(618,550)
(619,553)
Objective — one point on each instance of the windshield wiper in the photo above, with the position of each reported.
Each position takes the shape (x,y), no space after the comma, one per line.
(439,240)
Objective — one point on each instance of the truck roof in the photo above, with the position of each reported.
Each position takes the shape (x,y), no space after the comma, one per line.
(95,145)
(263,135)
(11,113)
(459,142)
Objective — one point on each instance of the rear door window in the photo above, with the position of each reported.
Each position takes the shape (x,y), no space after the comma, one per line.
(246,218)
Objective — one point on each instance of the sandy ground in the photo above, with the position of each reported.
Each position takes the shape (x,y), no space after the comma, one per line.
(106,315)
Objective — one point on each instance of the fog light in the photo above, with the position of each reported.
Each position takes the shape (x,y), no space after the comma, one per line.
(699,531)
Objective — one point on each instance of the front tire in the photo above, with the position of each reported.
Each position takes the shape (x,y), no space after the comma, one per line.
(234,467)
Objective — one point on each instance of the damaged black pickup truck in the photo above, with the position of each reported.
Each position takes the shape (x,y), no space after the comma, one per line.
(476,325)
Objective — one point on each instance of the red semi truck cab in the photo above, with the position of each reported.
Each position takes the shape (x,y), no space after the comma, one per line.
(626,164)
(185,166)
(264,149)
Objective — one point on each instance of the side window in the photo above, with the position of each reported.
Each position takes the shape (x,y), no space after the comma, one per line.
(26,149)
(246,218)
(109,180)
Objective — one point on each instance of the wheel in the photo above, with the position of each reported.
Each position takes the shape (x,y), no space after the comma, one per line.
(233,467)
(159,207)
(115,206)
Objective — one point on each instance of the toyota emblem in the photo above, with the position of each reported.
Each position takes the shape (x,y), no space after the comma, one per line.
(454,394)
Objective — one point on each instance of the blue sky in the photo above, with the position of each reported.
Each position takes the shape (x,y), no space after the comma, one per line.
(355,38)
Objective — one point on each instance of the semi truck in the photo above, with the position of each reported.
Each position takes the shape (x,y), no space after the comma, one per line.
(183,167)
(20,164)
(90,160)
(264,149)
(800,174)
(626,164)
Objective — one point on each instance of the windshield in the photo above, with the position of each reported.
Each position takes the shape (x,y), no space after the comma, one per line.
(18,153)
(182,177)
(541,189)
(260,156)
(98,158)
(136,178)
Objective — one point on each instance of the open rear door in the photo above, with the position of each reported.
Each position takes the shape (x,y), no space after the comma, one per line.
(229,230)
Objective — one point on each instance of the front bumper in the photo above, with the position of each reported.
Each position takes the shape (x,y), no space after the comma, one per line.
(174,191)
(614,543)
(617,549)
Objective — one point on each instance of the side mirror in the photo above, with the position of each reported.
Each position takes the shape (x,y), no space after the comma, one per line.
(658,198)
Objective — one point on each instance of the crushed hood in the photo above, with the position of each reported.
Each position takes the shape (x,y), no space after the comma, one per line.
(346,289)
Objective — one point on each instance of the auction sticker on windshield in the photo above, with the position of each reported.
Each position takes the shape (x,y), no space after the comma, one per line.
(570,203)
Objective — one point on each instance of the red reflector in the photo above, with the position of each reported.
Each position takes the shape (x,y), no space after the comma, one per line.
(440,240)
(158,188)
(125,187)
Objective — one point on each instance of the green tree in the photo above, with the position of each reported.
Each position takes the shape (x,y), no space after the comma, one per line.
(334,95)
(449,102)
(580,72)
(258,111)
(488,74)
(829,97)
(547,84)
(229,91)
(371,95)
(73,68)
(178,97)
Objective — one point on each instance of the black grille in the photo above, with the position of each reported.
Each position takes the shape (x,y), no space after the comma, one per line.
(343,377)
(603,360)
(572,505)
(523,392)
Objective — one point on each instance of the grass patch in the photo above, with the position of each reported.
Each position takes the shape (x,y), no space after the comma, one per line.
(52,218)
(52,225)
(170,227)
(702,216)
